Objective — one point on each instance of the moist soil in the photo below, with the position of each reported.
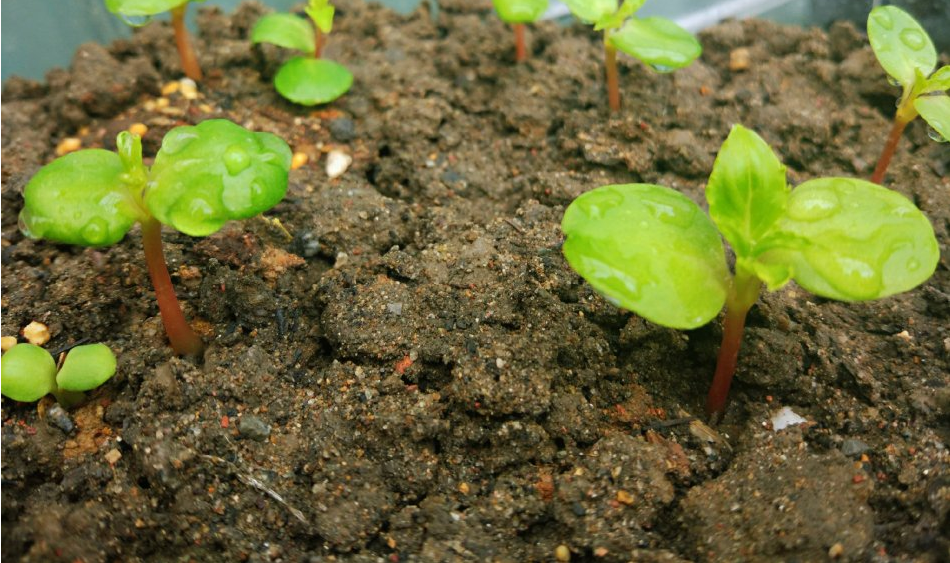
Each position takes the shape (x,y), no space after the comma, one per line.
(404,368)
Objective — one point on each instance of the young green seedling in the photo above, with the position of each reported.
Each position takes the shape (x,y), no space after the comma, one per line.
(29,372)
(139,12)
(653,251)
(517,13)
(202,177)
(909,58)
(658,42)
(307,80)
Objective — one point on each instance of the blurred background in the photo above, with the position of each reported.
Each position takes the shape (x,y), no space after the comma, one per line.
(37,35)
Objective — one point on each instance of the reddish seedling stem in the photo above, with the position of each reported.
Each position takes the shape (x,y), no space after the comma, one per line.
(189,62)
(183,339)
(743,294)
(613,83)
(521,51)
(892,139)
(321,40)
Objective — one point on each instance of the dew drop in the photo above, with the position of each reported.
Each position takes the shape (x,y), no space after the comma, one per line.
(670,211)
(884,20)
(237,197)
(178,139)
(192,216)
(257,192)
(32,227)
(814,205)
(851,276)
(894,82)
(663,69)
(236,159)
(913,38)
(135,21)
(96,231)
(912,265)
(935,135)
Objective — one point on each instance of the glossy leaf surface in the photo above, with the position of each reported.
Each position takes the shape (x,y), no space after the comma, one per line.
(81,198)
(659,42)
(309,81)
(28,373)
(520,11)
(747,191)
(936,112)
(854,240)
(86,367)
(900,44)
(648,249)
(591,11)
(214,172)
(285,30)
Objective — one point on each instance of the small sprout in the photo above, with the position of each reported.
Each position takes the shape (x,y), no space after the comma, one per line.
(29,372)
(653,251)
(909,58)
(307,80)
(139,12)
(658,42)
(517,13)
(203,176)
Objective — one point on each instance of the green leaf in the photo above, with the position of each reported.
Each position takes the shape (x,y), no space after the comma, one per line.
(854,240)
(936,112)
(938,81)
(142,7)
(520,11)
(900,44)
(82,198)
(285,30)
(658,42)
(309,81)
(321,12)
(648,249)
(214,172)
(615,20)
(27,373)
(747,191)
(86,367)
(591,11)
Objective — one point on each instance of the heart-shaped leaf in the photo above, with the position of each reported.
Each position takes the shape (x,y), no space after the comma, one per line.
(309,81)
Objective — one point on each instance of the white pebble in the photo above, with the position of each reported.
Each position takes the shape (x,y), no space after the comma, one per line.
(337,163)
(784,418)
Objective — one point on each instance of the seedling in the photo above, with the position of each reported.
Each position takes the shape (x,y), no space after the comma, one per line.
(139,12)
(517,13)
(658,42)
(909,58)
(203,176)
(652,251)
(29,372)
(307,80)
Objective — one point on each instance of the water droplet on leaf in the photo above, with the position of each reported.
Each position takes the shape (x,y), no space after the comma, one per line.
(96,231)
(883,19)
(178,139)
(236,159)
(813,206)
(936,136)
(913,38)
(135,21)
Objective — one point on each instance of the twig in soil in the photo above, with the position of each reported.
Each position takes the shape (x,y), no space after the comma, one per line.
(664,424)
(252,481)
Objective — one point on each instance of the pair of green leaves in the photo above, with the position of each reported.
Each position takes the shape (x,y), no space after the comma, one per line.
(520,11)
(307,80)
(29,372)
(658,42)
(202,177)
(651,250)
(908,56)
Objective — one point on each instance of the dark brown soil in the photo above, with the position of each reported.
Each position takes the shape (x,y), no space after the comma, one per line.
(416,374)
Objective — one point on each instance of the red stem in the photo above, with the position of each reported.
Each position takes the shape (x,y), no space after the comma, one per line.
(319,41)
(521,51)
(892,139)
(183,339)
(613,83)
(732,329)
(189,62)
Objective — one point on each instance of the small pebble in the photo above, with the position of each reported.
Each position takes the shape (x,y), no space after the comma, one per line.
(624,497)
(7,342)
(298,160)
(601,552)
(68,145)
(139,129)
(343,129)
(58,417)
(463,488)
(189,89)
(36,333)
(836,551)
(562,553)
(739,59)
(254,428)
(170,88)
(852,447)
(394,308)
(337,163)
(113,456)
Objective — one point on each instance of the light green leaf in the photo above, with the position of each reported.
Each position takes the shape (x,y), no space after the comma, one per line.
(855,240)
(285,30)
(214,172)
(86,367)
(658,42)
(309,81)
(27,373)
(747,191)
(627,9)
(82,198)
(138,8)
(650,250)
(321,12)
(591,11)
(520,11)
(938,81)
(936,112)
(900,44)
